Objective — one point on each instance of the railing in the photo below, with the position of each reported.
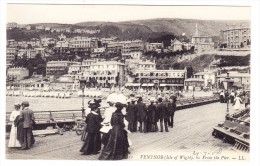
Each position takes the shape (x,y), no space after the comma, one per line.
(70,116)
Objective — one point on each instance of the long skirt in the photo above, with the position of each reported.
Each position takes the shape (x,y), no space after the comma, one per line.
(92,144)
(13,141)
(221,99)
(152,127)
(117,145)
(132,125)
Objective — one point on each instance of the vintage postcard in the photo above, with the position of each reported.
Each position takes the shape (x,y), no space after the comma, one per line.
(128,82)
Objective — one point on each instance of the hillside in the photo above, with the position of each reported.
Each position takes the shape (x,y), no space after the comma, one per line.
(176,26)
(203,61)
(143,29)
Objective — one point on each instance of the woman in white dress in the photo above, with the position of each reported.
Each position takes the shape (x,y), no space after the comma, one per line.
(237,103)
(13,142)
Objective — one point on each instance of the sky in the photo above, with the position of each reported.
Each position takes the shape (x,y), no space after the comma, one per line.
(70,14)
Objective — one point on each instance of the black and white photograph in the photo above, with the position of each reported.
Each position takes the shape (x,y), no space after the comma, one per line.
(131,82)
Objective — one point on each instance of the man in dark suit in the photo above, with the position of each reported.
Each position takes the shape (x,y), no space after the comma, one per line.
(141,110)
(131,116)
(172,109)
(27,118)
(163,115)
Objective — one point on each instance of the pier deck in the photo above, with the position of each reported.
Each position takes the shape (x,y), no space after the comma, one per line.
(192,132)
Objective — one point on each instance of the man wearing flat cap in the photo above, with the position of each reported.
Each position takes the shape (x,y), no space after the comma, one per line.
(27,118)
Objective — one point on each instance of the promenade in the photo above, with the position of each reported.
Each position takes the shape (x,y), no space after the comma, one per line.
(190,137)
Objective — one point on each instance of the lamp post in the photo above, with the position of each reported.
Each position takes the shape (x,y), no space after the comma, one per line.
(193,89)
(82,86)
(227,83)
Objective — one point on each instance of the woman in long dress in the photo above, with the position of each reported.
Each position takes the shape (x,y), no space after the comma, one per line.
(117,145)
(92,144)
(13,141)
(237,103)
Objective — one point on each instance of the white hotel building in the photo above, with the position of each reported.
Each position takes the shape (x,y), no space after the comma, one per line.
(17,73)
(148,77)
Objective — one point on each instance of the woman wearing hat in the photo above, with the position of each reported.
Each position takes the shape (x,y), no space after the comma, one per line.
(13,142)
(117,145)
(92,144)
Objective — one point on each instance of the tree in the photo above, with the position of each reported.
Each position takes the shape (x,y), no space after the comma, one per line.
(189,72)
(241,45)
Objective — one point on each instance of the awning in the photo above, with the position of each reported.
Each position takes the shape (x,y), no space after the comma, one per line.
(162,85)
(144,84)
(174,84)
(129,84)
(136,84)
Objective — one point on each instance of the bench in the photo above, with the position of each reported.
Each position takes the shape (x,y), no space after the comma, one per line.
(63,117)
(42,117)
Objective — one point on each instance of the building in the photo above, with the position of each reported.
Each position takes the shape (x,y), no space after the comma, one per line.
(45,42)
(39,27)
(209,78)
(176,45)
(22,52)
(10,55)
(125,47)
(133,55)
(28,27)
(30,53)
(61,47)
(240,80)
(159,79)
(202,43)
(40,51)
(105,74)
(99,50)
(114,47)
(58,67)
(74,69)
(236,37)
(83,42)
(34,42)
(47,28)
(85,65)
(146,65)
(17,73)
(194,84)
(11,25)
(12,43)
(153,46)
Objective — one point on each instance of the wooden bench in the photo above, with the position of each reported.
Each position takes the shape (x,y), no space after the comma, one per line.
(42,117)
(62,116)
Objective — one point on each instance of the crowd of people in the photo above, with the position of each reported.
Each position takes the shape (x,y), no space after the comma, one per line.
(238,99)
(121,119)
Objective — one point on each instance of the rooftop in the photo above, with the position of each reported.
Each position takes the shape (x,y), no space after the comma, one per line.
(234,74)
(194,79)
(108,63)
